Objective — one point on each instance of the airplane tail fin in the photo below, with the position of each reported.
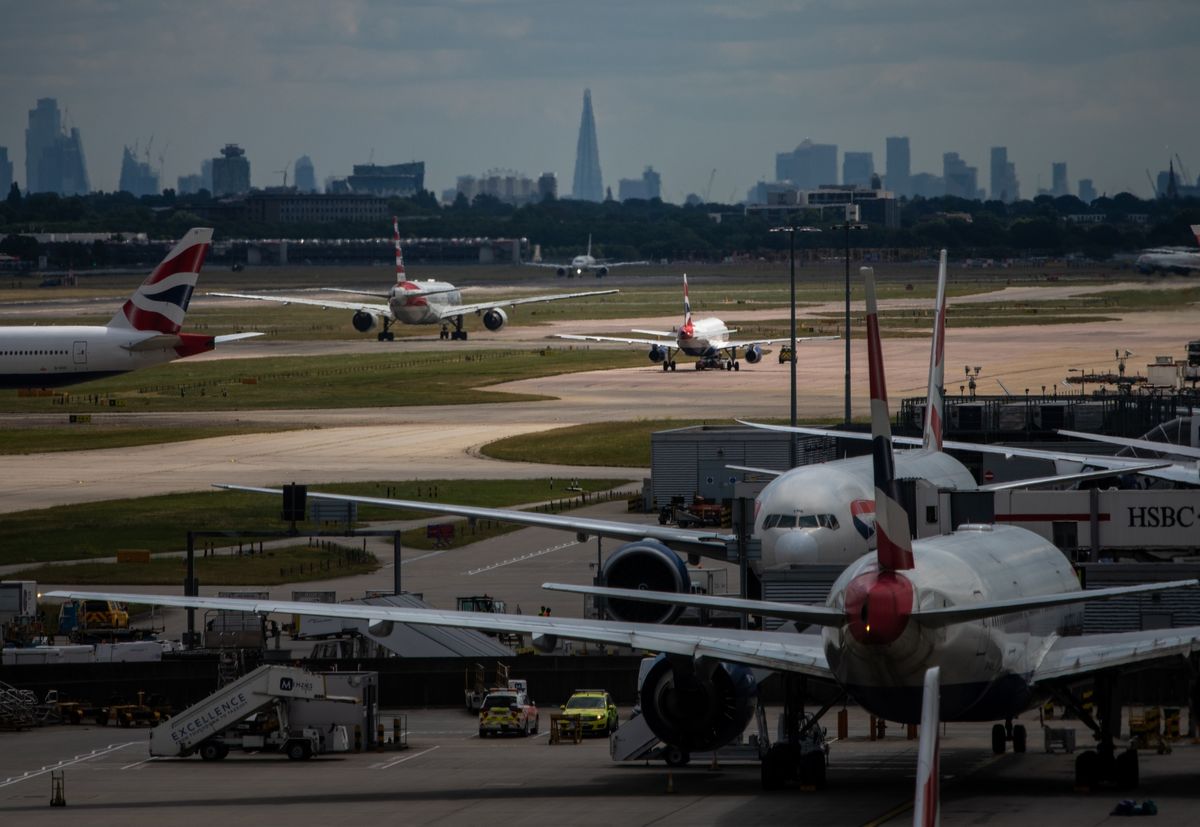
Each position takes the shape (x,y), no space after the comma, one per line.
(687,309)
(400,274)
(927,801)
(893,544)
(934,399)
(161,303)
(1196,233)
(589,250)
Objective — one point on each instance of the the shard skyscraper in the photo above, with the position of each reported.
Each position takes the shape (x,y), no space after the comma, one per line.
(588,185)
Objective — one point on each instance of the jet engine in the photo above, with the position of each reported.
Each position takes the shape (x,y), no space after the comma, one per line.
(657,354)
(601,271)
(697,706)
(562,271)
(754,354)
(645,564)
(494,319)
(363,322)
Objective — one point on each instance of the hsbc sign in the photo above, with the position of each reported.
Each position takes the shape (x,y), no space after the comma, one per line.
(1161,516)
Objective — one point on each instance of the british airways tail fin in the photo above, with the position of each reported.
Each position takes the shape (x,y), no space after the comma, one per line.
(1196,233)
(934,401)
(400,274)
(927,801)
(161,303)
(589,250)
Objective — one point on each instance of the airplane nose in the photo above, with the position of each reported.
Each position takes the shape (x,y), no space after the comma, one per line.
(794,548)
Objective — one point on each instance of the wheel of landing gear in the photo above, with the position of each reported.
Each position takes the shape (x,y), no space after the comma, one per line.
(773,771)
(1019,738)
(676,756)
(1126,770)
(672,364)
(737,366)
(999,739)
(813,765)
(391,337)
(1087,763)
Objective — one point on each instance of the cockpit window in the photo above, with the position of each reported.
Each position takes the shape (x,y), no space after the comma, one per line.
(800,521)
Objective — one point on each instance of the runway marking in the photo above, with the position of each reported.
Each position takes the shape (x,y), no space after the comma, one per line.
(96,753)
(139,763)
(391,764)
(531,555)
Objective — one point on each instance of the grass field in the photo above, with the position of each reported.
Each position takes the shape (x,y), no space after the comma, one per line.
(89,436)
(294,564)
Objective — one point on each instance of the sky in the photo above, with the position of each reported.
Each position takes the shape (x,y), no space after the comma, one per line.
(685,86)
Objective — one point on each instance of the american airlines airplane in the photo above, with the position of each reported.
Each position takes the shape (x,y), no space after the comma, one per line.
(996,609)
(705,339)
(416,302)
(145,332)
(585,263)
(1181,260)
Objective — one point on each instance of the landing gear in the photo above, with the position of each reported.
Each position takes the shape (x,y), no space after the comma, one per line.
(672,363)
(676,756)
(1005,732)
(999,741)
(445,334)
(1094,767)
(386,335)
(1019,738)
(1103,765)
(803,757)
(736,365)
(457,333)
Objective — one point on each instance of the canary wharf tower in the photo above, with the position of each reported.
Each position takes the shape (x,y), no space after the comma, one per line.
(588,185)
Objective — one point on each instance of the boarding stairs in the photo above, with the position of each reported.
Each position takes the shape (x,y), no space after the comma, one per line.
(17,707)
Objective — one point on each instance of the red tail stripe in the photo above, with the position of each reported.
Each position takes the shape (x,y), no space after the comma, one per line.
(189,261)
(875,357)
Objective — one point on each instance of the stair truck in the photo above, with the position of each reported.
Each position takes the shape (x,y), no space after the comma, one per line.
(250,713)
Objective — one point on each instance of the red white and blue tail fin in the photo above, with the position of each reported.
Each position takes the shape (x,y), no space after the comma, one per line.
(687,328)
(935,408)
(1196,232)
(161,303)
(927,810)
(589,250)
(892,542)
(400,274)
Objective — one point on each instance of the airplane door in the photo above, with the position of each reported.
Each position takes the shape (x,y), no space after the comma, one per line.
(80,352)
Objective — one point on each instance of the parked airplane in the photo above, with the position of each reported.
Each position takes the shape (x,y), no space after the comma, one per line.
(145,332)
(705,339)
(995,608)
(585,263)
(1181,260)
(416,302)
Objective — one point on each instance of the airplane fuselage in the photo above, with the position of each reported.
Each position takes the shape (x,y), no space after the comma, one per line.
(1172,261)
(986,664)
(706,338)
(824,513)
(58,355)
(421,309)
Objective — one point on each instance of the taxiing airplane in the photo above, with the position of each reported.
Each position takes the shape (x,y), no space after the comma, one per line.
(1181,260)
(996,609)
(145,332)
(705,339)
(415,302)
(585,263)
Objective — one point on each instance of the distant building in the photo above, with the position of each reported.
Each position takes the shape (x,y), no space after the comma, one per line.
(1058,179)
(6,172)
(189,184)
(506,186)
(547,186)
(391,180)
(54,159)
(772,193)
(231,172)
(927,185)
(137,178)
(960,179)
(314,208)
(305,177)
(647,187)
(808,166)
(1004,185)
(899,166)
(857,169)
(588,184)
(1087,190)
(872,205)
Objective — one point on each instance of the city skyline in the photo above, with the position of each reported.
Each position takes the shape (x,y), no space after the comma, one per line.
(687,89)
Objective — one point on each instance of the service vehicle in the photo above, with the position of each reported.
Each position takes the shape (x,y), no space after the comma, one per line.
(593,708)
(508,710)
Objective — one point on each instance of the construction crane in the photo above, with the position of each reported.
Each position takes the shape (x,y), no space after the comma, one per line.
(708,189)
(1153,186)
(284,173)
(1183,170)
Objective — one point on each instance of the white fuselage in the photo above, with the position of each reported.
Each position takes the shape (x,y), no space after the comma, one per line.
(708,337)
(1175,261)
(985,664)
(57,355)
(824,513)
(422,309)
(581,263)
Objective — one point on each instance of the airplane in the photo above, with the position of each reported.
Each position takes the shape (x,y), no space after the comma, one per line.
(997,609)
(415,302)
(705,339)
(1181,260)
(585,263)
(143,333)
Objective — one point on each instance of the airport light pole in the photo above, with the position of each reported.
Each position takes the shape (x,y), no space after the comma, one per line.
(847,226)
(791,230)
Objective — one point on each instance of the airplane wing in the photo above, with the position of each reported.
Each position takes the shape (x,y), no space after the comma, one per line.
(420,291)
(666,334)
(625,340)
(448,311)
(374,309)
(769,472)
(1140,444)
(703,542)
(166,340)
(604,263)
(784,340)
(1072,657)
(769,650)
(225,338)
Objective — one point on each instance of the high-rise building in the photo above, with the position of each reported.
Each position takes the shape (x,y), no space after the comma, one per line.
(1087,190)
(899,166)
(1004,185)
(547,186)
(305,177)
(808,166)
(927,185)
(961,180)
(231,172)
(1058,179)
(137,178)
(857,169)
(588,184)
(647,187)
(189,184)
(384,180)
(54,159)
(6,172)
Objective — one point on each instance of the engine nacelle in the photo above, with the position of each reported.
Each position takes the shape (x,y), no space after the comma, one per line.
(363,322)
(657,354)
(697,706)
(649,565)
(562,271)
(381,628)
(494,319)
(754,354)
(601,271)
